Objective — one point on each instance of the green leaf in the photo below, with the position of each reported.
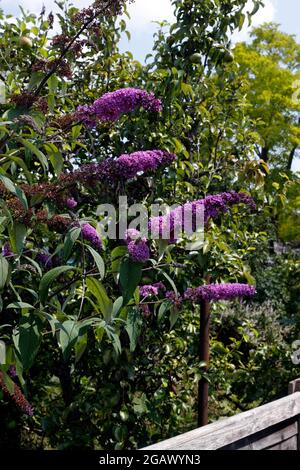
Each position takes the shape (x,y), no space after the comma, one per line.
(68,336)
(27,340)
(140,404)
(76,131)
(57,162)
(117,307)
(52,83)
(23,165)
(70,239)
(17,236)
(80,346)
(115,342)
(8,383)
(98,260)
(19,305)
(117,255)
(10,186)
(48,278)
(174,315)
(136,296)
(13,113)
(170,281)
(164,308)
(3,271)
(130,276)
(104,303)
(33,149)
(133,327)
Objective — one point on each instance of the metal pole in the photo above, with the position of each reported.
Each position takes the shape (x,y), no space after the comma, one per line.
(203,356)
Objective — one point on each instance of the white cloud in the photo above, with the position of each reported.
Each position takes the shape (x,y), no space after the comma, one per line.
(142,12)
(35,6)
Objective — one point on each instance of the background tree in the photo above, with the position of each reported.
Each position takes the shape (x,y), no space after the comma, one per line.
(271,64)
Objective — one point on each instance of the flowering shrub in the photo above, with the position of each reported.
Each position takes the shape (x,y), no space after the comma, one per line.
(78,306)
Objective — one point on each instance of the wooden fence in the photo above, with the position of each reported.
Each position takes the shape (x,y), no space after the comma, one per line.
(275,426)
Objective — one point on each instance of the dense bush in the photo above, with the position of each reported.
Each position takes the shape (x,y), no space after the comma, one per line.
(101,337)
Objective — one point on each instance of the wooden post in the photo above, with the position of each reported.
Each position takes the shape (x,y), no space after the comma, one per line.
(294,386)
(203,357)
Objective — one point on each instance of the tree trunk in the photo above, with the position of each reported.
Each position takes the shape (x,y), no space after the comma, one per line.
(291,158)
(203,357)
(264,154)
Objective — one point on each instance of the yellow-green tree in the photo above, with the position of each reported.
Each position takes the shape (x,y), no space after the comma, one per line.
(271,65)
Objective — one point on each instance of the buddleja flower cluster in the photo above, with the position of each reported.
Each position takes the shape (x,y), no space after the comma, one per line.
(149,290)
(90,234)
(210,292)
(17,396)
(112,105)
(137,246)
(211,207)
(219,292)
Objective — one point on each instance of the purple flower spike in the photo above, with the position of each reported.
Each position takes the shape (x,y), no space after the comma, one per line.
(219,292)
(17,397)
(90,234)
(151,289)
(12,371)
(44,259)
(211,207)
(112,105)
(139,251)
(137,246)
(71,203)
(7,251)
(127,166)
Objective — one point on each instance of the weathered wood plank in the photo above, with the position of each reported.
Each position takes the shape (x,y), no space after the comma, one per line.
(273,436)
(289,444)
(235,428)
(294,386)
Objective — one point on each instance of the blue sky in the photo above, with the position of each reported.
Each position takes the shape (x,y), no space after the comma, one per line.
(145,12)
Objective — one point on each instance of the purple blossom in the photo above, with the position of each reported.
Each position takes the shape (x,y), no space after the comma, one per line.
(139,251)
(219,292)
(220,203)
(151,289)
(137,246)
(71,203)
(7,251)
(12,371)
(145,310)
(17,396)
(174,222)
(44,259)
(174,298)
(127,166)
(133,234)
(112,105)
(86,115)
(90,234)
